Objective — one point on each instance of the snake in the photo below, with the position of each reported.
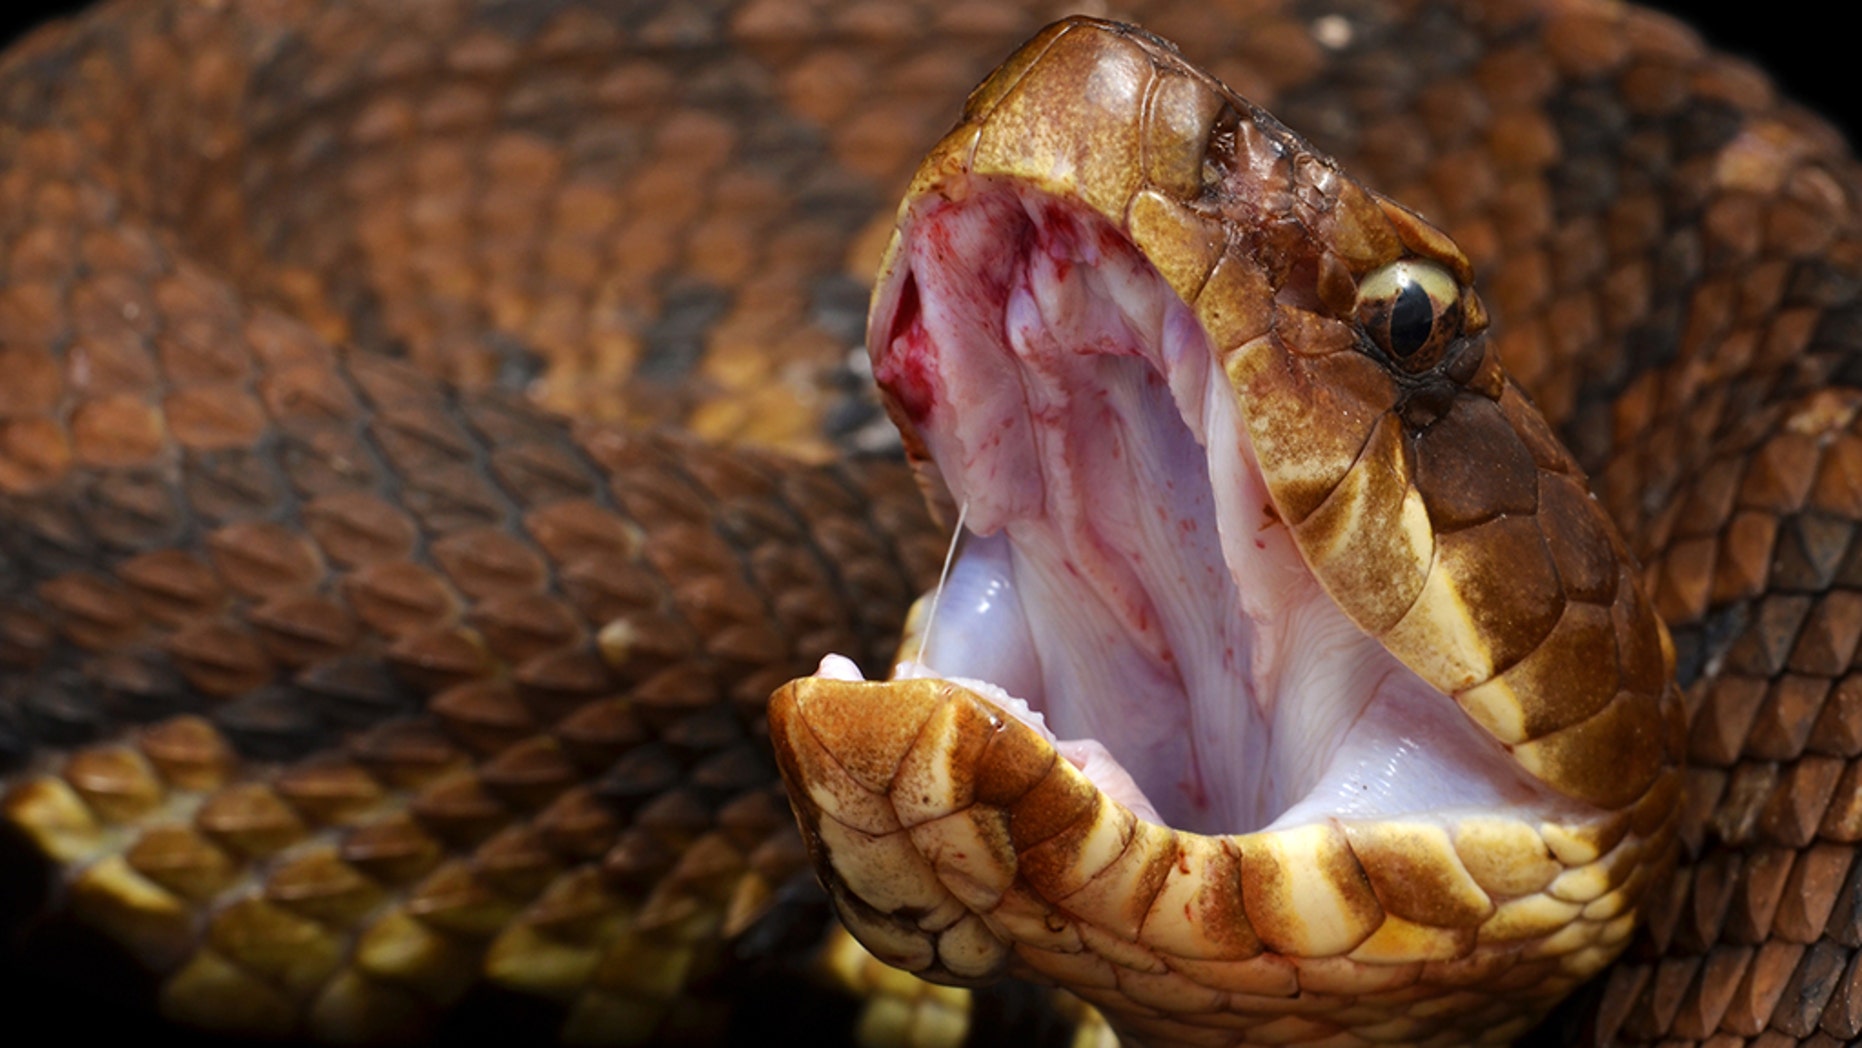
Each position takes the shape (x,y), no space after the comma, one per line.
(434,431)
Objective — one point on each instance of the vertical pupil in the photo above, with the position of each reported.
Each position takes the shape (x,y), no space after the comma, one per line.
(1412,318)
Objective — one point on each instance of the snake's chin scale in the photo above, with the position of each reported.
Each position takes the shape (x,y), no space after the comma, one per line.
(1164,632)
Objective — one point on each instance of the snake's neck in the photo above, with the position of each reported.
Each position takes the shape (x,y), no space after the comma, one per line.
(1124,581)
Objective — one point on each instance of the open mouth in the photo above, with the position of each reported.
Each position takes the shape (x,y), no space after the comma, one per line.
(1123,572)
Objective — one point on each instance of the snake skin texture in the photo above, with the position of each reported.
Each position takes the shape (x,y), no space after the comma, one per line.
(374,656)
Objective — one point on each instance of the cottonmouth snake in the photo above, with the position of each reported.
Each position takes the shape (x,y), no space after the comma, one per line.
(501,676)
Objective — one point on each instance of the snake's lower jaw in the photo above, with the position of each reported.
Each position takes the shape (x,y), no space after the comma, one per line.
(959,844)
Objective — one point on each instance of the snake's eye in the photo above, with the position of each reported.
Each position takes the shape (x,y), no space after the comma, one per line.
(1412,310)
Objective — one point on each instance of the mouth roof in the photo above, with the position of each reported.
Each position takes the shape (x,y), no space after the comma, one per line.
(1125,571)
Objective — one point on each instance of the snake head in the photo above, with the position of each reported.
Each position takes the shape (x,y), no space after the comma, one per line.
(1373,728)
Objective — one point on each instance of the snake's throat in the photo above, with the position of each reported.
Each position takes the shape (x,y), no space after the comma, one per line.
(1124,570)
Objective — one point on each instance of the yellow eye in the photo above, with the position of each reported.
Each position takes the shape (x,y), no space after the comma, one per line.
(1412,311)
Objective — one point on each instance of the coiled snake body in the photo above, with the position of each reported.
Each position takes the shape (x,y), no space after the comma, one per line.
(349,690)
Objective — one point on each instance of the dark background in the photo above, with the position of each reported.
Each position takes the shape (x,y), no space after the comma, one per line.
(1799,42)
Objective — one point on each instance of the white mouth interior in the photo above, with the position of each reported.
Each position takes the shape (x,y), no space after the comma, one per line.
(1123,572)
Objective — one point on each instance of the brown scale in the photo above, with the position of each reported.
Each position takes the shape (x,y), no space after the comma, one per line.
(229,541)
